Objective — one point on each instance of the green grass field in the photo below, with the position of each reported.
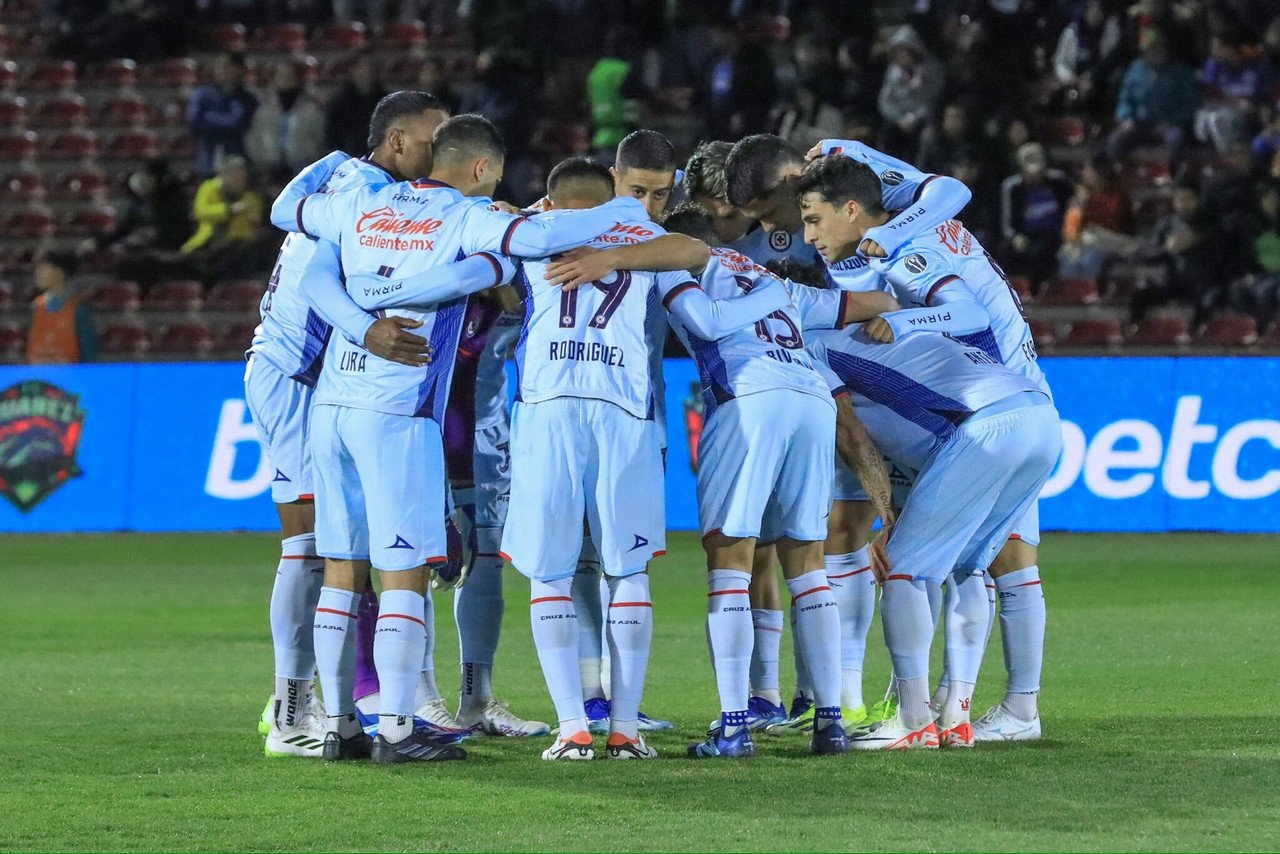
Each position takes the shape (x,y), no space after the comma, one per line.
(134,668)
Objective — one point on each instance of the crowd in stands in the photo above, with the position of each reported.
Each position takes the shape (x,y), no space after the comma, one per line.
(1124,156)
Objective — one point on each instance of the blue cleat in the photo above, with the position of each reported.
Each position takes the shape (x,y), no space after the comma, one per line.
(737,746)
(369,723)
(829,740)
(800,706)
(648,724)
(597,712)
(764,713)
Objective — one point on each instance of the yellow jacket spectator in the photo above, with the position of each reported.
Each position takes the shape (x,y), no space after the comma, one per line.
(226,209)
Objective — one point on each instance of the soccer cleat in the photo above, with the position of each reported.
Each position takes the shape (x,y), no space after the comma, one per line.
(893,734)
(597,714)
(829,741)
(960,735)
(736,746)
(575,747)
(881,710)
(621,747)
(764,713)
(338,749)
(800,706)
(436,717)
(420,746)
(305,739)
(800,723)
(1000,724)
(648,724)
(497,719)
(268,714)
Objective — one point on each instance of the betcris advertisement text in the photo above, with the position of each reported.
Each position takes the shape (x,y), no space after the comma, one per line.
(1149,444)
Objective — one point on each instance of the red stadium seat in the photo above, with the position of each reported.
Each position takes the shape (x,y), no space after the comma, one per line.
(8,74)
(18,145)
(1043,333)
(128,111)
(169,113)
(1100,332)
(23,187)
(1070,290)
(89,222)
(306,67)
(62,111)
(1160,332)
(348,36)
(72,145)
(235,339)
(13,342)
(29,224)
(404,35)
(241,295)
(181,148)
(113,74)
(52,74)
(82,186)
(185,339)
(13,111)
(180,295)
(8,298)
(281,38)
(1271,339)
(1066,130)
(1229,330)
(1022,287)
(126,339)
(171,72)
(232,37)
(117,296)
(774,28)
(137,144)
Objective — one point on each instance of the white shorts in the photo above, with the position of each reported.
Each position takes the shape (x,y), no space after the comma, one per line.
(280,407)
(381,486)
(764,467)
(572,457)
(902,478)
(976,488)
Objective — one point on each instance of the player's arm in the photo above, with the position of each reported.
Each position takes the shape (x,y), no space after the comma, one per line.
(857,449)
(585,264)
(951,307)
(284,210)
(711,319)
(470,275)
(546,234)
(824,308)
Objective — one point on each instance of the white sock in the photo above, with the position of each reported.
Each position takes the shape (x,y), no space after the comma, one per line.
(935,603)
(854,587)
(585,584)
(291,701)
(965,629)
(817,636)
(730,634)
(630,627)
(991,606)
(478,607)
(293,607)
(908,632)
(427,689)
(398,649)
(335,645)
(804,685)
(606,665)
(1022,621)
(766,654)
(555,634)
(946,601)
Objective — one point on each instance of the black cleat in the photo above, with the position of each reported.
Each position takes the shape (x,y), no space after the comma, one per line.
(420,746)
(337,748)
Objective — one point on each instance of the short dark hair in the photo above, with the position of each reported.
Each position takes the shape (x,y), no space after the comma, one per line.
(579,168)
(466,136)
(397,105)
(691,219)
(752,166)
(704,174)
(646,149)
(65,261)
(840,179)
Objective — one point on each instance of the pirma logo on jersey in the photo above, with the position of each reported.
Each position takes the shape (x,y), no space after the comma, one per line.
(40,429)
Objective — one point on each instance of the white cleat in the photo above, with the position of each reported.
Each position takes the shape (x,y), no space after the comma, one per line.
(621,747)
(893,734)
(305,739)
(576,747)
(497,719)
(1000,724)
(435,713)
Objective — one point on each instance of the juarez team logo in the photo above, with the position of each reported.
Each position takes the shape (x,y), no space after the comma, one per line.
(40,429)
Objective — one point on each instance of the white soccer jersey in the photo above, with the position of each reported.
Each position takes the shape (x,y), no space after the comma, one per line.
(768,355)
(292,336)
(950,257)
(399,230)
(592,342)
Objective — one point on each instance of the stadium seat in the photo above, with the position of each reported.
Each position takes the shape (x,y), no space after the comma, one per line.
(235,339)
(1099,332)
(404,35)
(180,73)
(183,339)
(129,111)
(1160,332)
(13,342)
(31,223)
(61,111)
(112,74)
(179,295)
(281,38)
(170,113)
(18,145)
(1066,130)
(1229,330)
(72,145)
(13,112)
(340,36)
(8,74)
(231,37)
(22,187)
(125,339)
(1043,333)
(240,295)
(180,148)
(1070,290)
(1271,340)
(138,144)
(82,186)
(768,28)
(8,297)
(306,67)
(1022,287)
(89,222)
(403,70)
(52,74)
(117,296)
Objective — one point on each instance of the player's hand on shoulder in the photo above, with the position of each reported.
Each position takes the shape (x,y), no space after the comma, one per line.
(390,339)
(579,267)
(505,207)
(815,152)
(872,249)
(878,329)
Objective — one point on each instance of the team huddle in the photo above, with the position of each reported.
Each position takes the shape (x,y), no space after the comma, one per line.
(861,358)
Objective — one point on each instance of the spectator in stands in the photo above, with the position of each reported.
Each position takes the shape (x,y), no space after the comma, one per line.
(1033,204)
(614,90)
(288,128)
(503,96)
(229,215)
(740,89)
(220,113)
(948,140)
(1185,245)
(1258,294)
(857,92)
(1266,145)
(912,87)
(1098,225)
(154,215)
(432,79)
(1086,55)
(346,124)
(61,322)
(981,216)
(1157,100)
(1235,88)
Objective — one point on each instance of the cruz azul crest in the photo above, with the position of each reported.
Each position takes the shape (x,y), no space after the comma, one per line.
(40,428)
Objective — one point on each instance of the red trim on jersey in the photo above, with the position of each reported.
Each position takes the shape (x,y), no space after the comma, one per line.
(933,290)
(550,599)
(506,237)
(768,629)
(810,590)
(1027,584)
(497,268)
(743,591)
(307,496)
(901,578)
(677,291)
(437,559)
(1015,536)
(851,574)
(505,557)
(839,392)
(301,557)
(709,533)
(630,604)
(334,611)
(408,617)
(660,554)
(429,183)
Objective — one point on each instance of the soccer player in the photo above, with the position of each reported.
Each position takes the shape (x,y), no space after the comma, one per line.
(284,361)
(376,424)
(583,442)
(948,283)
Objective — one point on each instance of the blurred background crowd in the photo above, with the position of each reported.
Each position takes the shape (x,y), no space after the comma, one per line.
(1124,157)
